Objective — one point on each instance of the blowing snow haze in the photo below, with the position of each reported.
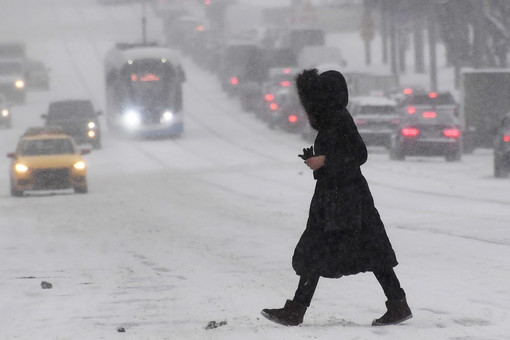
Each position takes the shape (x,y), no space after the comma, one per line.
(177,232)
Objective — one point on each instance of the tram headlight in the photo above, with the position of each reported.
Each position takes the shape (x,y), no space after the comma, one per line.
(132,118)
(19,84)
(167,116)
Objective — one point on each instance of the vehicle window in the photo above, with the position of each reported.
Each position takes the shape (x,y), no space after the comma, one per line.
(9,68)
(67,110)
(47,147)
(148,81)
(377,109)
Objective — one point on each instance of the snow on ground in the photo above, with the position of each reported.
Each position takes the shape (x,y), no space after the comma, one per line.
(176,233)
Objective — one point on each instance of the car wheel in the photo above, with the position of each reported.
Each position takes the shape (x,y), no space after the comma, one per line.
(454,156)
(499,171)
(396,154)
(81,190)
(15,192)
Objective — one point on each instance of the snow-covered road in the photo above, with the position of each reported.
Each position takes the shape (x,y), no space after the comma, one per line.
(175,233)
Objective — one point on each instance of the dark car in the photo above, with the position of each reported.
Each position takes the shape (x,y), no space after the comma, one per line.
(502,149)
(241,64)
(286,111)
(427,134)
(279,79)
(78,119)
(376,118)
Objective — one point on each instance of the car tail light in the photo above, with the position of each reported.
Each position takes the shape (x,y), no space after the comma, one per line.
(452,133)
(293,119)
(408,91)
(506,138)
(269,97)
(433,95)
(234,81)
(360,121)
(273,106)
(285,83)
(410,132)
(429,114)
(411,110)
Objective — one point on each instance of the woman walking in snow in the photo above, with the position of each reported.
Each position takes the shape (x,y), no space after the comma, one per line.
(344,234)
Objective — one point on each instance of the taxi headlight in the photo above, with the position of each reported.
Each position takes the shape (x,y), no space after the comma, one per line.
(80,165)
(21,168)
(166,116)
(92,125)
(132,118)
(5,113)
(19,84)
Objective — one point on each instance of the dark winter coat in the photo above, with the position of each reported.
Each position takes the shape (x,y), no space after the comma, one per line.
(344,234)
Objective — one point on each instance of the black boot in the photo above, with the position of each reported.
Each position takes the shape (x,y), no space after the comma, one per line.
(398,311)
(290,315)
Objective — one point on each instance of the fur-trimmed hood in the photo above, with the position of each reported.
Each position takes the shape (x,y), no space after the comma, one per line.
(322,94)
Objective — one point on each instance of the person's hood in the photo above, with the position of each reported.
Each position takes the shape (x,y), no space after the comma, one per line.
(322,94)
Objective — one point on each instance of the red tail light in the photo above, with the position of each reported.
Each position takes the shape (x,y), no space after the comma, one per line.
(408,91)
(411,110)
(234,80)
(286,70)
(410,132)
(452,133)
(285,83)
(506,138)
(360,121)
(269,97)
(292,119)
(429,114)
(273,106)
(432,95)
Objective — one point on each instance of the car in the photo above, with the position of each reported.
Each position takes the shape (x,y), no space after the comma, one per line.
(427,134)
(12,80)
(280,78)
(77,118)
(287,112)
(5,112)
(46,159)
(375,117)
(422,101)
(502,149)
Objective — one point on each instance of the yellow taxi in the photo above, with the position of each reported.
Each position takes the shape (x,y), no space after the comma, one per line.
(47,159)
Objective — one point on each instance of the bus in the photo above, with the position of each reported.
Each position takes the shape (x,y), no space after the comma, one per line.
(143,84)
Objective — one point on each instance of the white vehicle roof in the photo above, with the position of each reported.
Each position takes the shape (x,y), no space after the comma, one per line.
(372,100)
(118,56)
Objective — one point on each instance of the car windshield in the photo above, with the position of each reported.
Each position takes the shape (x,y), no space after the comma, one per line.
(71,110)
(41,147)
(378,109)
